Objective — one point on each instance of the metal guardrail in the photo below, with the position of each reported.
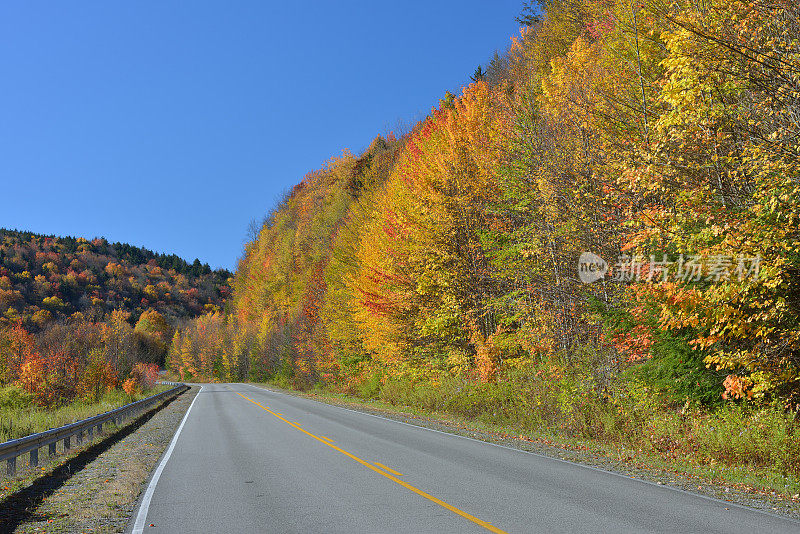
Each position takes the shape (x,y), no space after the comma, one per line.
(10,450)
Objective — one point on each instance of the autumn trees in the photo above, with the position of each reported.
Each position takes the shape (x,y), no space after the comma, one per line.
(424,283)
(80,317)
(48,278)
(78,359)
(731,84)
(659,136)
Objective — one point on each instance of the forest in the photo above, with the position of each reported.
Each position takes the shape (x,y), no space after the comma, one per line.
(47,278)
(82,319)
(440,267)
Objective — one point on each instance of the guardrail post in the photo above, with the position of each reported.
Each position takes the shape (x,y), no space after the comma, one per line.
(66,443)
(34,457)
(79,437)
(89,433)
(51,449)
(11,466)
(99,428)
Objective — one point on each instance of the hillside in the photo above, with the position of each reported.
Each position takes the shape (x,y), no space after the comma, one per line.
(657,141)
(448,269)
(83,320)
(46,278)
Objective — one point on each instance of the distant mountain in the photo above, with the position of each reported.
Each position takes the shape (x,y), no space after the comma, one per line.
(45,278)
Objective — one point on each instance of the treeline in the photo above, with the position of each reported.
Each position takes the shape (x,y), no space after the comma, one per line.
(121,251)
(660,136)
(46,278)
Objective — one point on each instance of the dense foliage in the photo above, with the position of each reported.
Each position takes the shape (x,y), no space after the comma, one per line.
(47,278)
(661,136)
(79,318)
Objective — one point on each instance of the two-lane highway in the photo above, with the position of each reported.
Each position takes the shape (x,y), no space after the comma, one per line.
(247,459)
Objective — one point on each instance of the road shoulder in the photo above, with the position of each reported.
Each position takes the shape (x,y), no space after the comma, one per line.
(103,494)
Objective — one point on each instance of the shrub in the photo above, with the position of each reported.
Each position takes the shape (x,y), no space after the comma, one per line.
(51,379)
(369,388)
(142,377)
(738,433)
(14,397)
(678,373)
(98,377)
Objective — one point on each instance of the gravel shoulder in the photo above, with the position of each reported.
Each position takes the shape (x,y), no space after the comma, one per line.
(628,463)
(97,489)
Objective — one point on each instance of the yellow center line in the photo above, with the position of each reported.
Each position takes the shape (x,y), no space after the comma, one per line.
(481,522)
(327,439)
(385,468)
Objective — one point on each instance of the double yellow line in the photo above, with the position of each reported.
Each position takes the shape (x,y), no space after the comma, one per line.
(465,515)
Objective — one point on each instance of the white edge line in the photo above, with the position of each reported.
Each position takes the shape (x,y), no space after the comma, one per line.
(141,517)
(540,455)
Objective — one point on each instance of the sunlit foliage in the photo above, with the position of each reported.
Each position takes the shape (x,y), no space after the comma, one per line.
(650,129)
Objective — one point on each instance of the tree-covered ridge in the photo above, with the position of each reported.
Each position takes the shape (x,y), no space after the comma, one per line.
(81,318)
(281,282)
(46,278)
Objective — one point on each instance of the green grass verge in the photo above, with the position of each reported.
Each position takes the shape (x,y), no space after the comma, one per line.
(20,417)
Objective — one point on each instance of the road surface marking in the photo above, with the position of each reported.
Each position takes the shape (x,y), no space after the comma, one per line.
(465,515)
(385,468)
(327,439)
(141,517)
(531,453)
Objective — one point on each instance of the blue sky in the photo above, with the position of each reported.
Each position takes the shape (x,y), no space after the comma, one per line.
(171,125)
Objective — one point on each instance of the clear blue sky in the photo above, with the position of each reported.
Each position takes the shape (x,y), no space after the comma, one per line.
(171,125)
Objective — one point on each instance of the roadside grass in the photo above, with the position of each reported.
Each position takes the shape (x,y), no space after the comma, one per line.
(94,487)
(20,417)
(753,448)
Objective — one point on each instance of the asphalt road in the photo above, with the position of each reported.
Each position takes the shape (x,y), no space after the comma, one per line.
(248,459)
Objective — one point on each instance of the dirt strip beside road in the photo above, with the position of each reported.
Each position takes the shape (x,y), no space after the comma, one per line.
(96,490)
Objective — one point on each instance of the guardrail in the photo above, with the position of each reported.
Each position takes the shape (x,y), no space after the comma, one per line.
(10,450)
